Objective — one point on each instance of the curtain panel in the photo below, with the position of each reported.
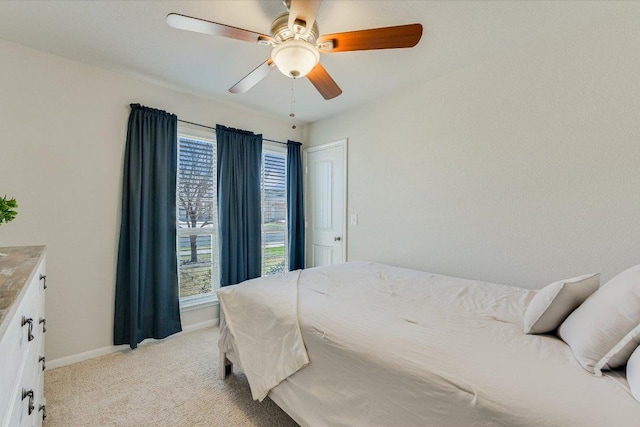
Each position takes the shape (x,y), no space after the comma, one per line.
(239,212)
(295,206)
(147,294)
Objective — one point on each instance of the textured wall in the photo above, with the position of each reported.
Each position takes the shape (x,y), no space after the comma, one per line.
(522,169)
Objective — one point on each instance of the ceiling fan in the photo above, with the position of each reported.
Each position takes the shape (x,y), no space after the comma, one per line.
(297,45)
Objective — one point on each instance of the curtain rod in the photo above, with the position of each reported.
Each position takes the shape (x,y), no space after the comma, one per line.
(209,127)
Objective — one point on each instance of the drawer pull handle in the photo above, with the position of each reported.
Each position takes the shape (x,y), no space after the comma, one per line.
(43,360)
(43,408)
(43,322)
(44,277)
(28,321)
(28,393)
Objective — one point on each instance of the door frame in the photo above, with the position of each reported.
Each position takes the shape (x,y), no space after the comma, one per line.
(343,143)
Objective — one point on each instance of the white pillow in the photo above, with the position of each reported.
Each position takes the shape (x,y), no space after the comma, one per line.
(553,303)
(633,374)
(602,332)
(621,352)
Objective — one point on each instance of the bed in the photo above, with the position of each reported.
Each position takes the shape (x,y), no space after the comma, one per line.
(365,344)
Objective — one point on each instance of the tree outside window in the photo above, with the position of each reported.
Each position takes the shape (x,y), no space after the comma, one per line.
(197,219)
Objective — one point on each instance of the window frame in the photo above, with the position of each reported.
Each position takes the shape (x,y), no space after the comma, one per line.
(194,302)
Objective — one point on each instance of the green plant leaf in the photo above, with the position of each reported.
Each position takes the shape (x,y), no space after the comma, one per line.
(8,210)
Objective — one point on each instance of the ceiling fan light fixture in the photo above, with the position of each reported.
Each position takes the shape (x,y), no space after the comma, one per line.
(297,47)
(295,58)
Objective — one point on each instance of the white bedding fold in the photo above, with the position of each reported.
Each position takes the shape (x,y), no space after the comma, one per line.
(262,315)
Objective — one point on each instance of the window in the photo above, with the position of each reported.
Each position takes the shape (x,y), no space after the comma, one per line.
(198,257)
(274,209)
(197,218)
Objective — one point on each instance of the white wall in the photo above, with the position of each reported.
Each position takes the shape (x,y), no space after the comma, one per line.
(522,169)
(62,135)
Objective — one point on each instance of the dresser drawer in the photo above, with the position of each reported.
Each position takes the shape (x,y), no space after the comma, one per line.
(30,389)
(31,381)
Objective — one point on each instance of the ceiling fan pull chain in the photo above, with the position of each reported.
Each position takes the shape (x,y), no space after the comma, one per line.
(292,114)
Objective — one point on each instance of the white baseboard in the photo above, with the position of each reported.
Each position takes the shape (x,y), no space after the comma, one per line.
(86,355)
(201,325)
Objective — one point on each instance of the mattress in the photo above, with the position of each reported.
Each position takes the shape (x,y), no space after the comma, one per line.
(392,346)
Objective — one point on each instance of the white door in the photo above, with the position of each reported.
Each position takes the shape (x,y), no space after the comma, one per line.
(326,179)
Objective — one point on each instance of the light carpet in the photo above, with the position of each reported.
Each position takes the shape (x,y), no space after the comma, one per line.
(173,382)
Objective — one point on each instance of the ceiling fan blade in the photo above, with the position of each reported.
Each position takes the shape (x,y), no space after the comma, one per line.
(183,22)
(305,10)
(375,38)
(321,79)
(251,79)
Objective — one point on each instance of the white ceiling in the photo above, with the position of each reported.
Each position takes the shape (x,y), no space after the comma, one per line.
(132,37)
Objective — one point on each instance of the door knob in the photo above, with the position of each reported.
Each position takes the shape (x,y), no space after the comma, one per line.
(337,239)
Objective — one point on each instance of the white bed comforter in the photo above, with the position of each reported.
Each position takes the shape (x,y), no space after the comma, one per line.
(397,347)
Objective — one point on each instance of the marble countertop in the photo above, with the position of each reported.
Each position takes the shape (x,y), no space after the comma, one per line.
(17,265)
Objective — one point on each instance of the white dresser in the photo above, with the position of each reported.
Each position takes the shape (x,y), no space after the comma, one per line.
(22,330)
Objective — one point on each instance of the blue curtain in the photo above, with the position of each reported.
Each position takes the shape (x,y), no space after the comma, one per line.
(295,207)
(147,295)
(239,217)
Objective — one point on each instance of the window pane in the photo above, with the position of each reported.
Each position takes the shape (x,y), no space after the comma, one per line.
(274,213)
(196,266)
(197,216)
(196,184)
